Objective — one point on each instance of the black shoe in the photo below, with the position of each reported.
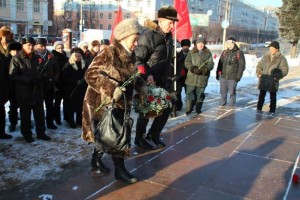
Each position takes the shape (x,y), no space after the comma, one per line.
(5,136)
(43,137)
(143,144)
(157,142)
(189,112)
(58,122)
(123,175)
(12,128)
(97,163)
(29,139)
(51,126)
(72,125)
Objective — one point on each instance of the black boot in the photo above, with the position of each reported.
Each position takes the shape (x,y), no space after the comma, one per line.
(188,108)
(5,136)
(51,125)
(174,109)
(97,163)
(199,107)
(156,140)
(141,142)
(120,171)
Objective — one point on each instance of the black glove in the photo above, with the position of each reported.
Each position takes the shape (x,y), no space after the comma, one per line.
(193,68)
(204,70)
(276,76)
(197,71)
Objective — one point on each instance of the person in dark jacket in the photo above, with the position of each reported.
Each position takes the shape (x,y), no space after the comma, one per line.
(199,61)
(230,71)
(104,43)
(29,90)
(61,59)
(49,70)
(270,69)
(94,48)
(181,74)
(155,52)
(87,56)
(74,86)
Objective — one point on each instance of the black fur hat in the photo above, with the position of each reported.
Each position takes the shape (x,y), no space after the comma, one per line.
(41,41)
(14,46)
(105,42)
(185,42)
(76,50)
(28,40)
(168,12)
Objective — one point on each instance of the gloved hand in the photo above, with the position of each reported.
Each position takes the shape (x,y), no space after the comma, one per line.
(204,70)
(197,71)
(276,76)
(193,68)
(118,93)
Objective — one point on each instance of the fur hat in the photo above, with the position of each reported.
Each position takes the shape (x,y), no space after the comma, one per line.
(57,43)
(5,31)
(14,46)
(232,39)
(28,40)
(274,44)
(95,43)
(105,42)
(201,40)
(127,28)
(167,12)
(76,50)
(42,41)
(82,43)
(185,42)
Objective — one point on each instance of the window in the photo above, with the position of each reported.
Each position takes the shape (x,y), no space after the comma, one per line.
(109,15)
(20,5)
(109,27)
(127,15)
(2,3)
(101,15)
(149,3)
(101,26)
(36,6)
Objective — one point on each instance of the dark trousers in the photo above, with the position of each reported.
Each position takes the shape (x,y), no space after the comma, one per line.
(71,109)
(13,112)
(192,90)
(39,118)
(261,100)
(180,85)
(49,102)
(156,127)
(2,119)
(56,109)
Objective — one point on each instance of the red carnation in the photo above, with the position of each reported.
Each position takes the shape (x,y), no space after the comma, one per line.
(141,69)
(168,97)
(40,60)
(295,178)
(158,101)
(150,98)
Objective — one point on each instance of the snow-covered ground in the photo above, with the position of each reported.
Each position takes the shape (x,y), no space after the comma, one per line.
(27,163)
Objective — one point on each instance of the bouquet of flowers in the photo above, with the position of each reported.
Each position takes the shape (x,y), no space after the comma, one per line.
(152,104)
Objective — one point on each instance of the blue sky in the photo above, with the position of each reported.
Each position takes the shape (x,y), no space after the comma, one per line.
(260,3)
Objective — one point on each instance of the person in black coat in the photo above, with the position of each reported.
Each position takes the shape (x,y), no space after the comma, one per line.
(61,59)
(74,86)
(154,52)
(29,90)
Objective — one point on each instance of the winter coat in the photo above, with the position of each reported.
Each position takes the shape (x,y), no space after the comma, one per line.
(117,63)
(4,81)
(74,85)
(181,70)
(203,60)
(270,72)
(49,70)
(61,59)
(155,52)
(231,64)
(28,81)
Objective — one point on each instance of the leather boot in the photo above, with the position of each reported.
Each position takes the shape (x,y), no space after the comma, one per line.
(155,139)
(97,163)
(188,108)
(120,171)
(199,107)
(174,109)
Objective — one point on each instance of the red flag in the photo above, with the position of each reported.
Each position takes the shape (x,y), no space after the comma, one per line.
(183,26)
(118,19)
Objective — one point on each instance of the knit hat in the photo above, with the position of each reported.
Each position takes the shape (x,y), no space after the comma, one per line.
(167,12)
(275,44)
(104,42)
(201,40)
(185,42)
(14,46)
(28,40)
(95,43)
(82,43)
(76,50)
(232,39)
(57,43)
(127,28)
(5,31)
(42,41)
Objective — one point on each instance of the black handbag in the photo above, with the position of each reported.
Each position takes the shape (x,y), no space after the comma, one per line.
(114,129)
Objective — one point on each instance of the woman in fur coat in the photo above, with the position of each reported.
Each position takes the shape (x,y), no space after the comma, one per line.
(116,61)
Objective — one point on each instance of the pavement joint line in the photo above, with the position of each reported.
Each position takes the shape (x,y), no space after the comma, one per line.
(258,156)
(290,182)
(100,190)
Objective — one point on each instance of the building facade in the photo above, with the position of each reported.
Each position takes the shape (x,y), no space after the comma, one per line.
(25,16)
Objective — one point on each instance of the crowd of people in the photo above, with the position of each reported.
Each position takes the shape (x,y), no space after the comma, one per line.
(93,75)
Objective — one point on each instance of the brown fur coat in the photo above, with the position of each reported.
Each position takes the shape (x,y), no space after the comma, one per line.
(117,63)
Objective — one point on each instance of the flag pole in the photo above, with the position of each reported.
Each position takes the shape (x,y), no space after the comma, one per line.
(175,52)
